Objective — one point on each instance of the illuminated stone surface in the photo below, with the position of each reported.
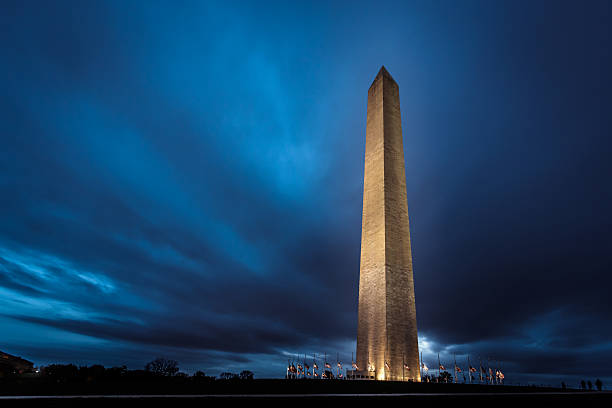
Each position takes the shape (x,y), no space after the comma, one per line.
(387,329)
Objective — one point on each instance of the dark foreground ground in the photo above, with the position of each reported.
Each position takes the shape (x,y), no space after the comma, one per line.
(462,399)
(165,392)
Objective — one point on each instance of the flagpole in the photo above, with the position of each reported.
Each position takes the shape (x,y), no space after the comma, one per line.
(421,366)
(313,366)
(497,372)
(469,369)
(403,367)
(455,368)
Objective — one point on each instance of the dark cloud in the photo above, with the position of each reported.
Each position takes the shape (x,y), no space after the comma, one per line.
(187,181)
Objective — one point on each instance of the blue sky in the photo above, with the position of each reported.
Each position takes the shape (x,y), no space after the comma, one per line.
(185,179)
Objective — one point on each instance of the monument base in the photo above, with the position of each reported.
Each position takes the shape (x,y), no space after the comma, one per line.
(360,375)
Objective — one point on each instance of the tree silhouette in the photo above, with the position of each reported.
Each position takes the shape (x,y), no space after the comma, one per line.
(116,372)
(93,372)
(61,372)
(246,375)
(228,376)
(161,366)
(583,385)
(590,384)
(598,384)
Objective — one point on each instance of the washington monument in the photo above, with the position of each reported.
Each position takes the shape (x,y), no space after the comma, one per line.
(387,345)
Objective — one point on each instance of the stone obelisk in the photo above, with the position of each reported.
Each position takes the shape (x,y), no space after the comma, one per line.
(387,345)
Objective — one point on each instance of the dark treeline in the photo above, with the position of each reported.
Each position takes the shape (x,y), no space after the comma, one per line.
(159,369)
(159,376)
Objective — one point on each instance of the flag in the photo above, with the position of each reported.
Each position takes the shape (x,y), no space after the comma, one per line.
(407,367)
(482,370)
(327,365)
(355,366)
(458,369)
(387,365)
(339,365)
(472,369)
(307,366)
(442,367)
(315,366)
(425,367)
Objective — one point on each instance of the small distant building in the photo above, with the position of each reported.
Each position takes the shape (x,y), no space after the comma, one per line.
(13,365)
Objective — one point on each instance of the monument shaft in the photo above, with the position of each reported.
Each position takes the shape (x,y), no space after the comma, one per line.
(387,329)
